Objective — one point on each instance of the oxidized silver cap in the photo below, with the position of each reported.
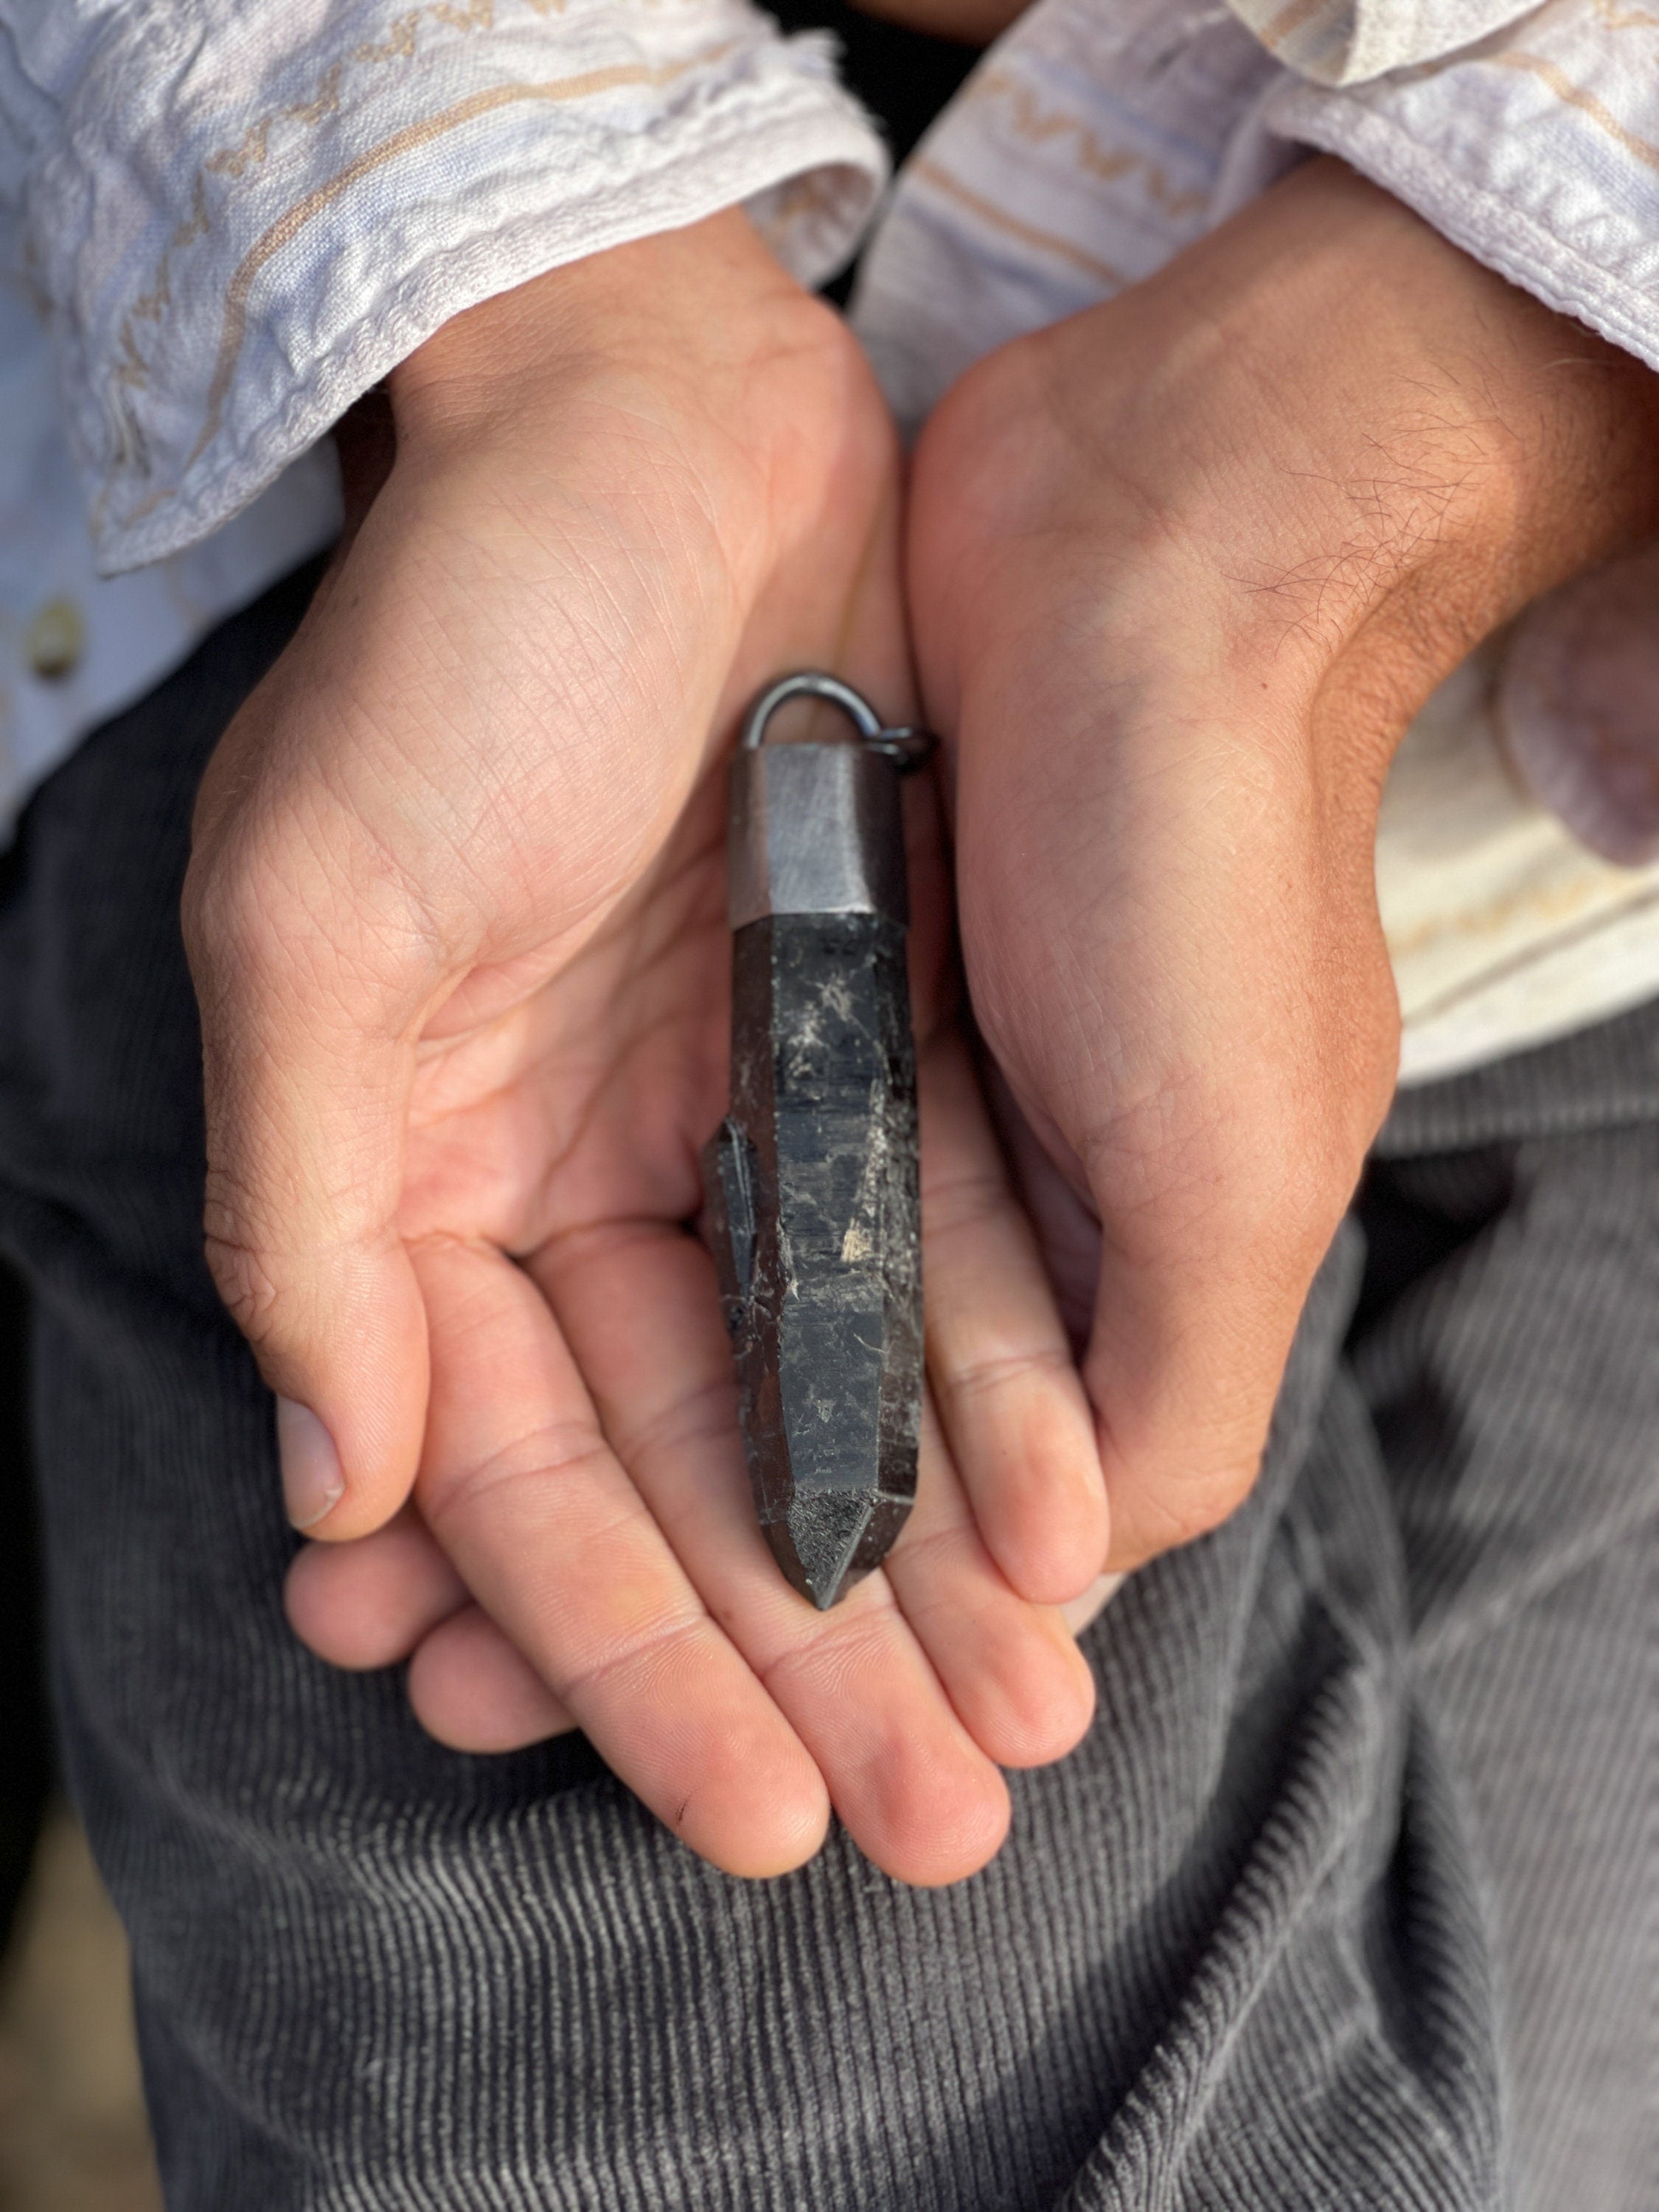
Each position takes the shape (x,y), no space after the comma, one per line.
(818,828)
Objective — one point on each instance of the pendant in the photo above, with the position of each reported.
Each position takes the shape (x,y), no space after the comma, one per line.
(812,1182)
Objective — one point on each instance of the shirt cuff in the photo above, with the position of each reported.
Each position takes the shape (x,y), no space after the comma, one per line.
(238,238)
(1537,153)
(1348,41)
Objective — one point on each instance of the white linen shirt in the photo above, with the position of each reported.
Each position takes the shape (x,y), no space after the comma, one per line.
(223,223)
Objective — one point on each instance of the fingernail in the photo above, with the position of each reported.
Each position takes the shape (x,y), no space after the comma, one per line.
(312,1480)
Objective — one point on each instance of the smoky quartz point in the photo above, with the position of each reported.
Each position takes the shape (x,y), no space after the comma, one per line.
(811,1183)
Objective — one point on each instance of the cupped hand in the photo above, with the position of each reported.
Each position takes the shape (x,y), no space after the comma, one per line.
(456,916)
(1181,569)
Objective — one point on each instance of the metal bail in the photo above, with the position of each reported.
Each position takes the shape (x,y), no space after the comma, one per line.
(817,828)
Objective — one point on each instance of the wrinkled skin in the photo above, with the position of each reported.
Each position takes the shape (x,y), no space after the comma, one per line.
(456,917)
(1181,569)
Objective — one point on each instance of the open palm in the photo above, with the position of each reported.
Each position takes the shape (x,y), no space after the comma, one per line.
(458,918)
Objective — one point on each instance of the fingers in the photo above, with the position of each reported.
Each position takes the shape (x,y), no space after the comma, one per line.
(394,1596)
(901,1700)
(1013,1406)
(519,1486)
(474,1691)
(1012,1673)
(916,1793)
(368,1604)
(1083,1611)
(1198,1302)
(306,1076)
(1011,1670)
(1189,1318)
(1191,1294)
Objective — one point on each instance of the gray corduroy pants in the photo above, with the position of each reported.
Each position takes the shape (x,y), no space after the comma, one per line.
(1350,1899)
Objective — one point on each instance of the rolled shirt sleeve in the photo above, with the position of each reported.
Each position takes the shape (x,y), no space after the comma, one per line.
(1099,138)
(241,217)
(1347,42)
(1536,149)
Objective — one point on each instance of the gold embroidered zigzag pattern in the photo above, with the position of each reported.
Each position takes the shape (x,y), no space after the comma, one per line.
(288,227)
(1614,17)
(1578,97)
(1041,127)
(1028,234)
(400,44)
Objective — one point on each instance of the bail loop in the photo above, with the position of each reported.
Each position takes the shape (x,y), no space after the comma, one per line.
(904,747)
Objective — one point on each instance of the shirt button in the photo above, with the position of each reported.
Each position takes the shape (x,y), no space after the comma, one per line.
(55,639)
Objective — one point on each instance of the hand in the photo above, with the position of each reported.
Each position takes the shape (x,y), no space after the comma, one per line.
(456,916)
(1181,569)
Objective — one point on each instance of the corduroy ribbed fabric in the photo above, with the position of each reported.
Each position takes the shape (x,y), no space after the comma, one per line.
(1346,1903)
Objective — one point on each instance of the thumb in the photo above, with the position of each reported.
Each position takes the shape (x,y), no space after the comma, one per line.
(307,1065)
(1218,1199)
(1183,1368)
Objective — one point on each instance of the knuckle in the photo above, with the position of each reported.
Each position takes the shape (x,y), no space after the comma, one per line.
(645,1656)
(238,911)
(245,1283)
(991,454)
(976,1374)
(202,913)
(705,1415)
(837,1651)
(533,1467)
(967,1198)
(1223,1495)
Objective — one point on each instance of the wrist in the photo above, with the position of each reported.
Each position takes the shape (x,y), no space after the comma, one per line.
(1344,449)
(685,313)
(1461,447)
(691,357)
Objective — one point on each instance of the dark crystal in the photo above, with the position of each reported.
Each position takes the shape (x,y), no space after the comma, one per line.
(814,1215)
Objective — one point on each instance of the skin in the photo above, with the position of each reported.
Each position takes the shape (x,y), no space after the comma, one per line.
(974,22)
(1179,570)
(456,918)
